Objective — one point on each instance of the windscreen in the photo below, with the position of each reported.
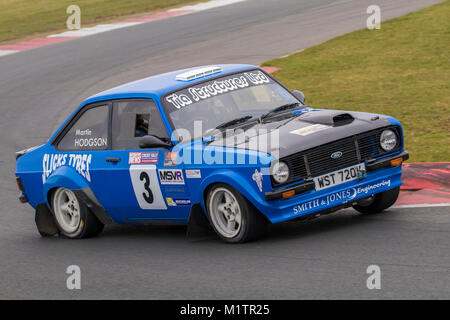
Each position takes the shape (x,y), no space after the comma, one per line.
(204,106)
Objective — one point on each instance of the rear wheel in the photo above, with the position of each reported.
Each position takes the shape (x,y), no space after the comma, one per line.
(73,217)
(233,218)
(378,202)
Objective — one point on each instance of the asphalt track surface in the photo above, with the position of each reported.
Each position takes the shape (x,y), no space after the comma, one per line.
(324,258)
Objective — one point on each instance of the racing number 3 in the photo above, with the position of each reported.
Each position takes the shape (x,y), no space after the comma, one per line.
(146,187)
(149,195)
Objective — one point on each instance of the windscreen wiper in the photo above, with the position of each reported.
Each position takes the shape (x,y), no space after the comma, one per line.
(279,109)
(209,135)
(233,122)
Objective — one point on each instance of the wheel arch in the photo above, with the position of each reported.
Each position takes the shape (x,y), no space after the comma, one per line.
(235,181)
(66,177)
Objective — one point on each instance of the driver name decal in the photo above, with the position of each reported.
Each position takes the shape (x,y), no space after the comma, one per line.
(90,142)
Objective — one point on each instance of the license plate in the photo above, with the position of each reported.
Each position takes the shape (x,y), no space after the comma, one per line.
(339,176)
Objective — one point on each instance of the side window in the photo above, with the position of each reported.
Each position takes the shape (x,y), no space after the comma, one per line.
(89,132)
(134,119)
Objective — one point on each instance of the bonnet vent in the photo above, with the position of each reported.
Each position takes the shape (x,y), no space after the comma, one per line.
(342,119)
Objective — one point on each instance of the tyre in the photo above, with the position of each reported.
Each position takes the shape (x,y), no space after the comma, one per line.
(73,218)
(232,217)
(378,202)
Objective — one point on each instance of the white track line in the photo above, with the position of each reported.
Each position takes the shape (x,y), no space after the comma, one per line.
(114,26)
(6,52)
(94,30)
(425,205)
(207,5)
(83,32)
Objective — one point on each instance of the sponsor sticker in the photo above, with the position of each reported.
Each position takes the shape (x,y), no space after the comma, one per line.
(143,157)
(310,129)
(193,174)
(171,202)
(170,159)
(171,176)
(258,177)
(134,158)
(149,157)
(174,190)
(343,196)
(214,88)
(80,162)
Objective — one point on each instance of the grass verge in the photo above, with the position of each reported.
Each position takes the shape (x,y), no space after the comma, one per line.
(402,70)
(25,19)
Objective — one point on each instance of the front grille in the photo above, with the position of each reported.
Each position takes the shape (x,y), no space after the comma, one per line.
(355,149)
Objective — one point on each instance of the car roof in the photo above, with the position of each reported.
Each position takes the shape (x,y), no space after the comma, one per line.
(160,84)
(154,87)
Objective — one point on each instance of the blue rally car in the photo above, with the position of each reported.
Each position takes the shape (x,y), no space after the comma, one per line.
(227,145)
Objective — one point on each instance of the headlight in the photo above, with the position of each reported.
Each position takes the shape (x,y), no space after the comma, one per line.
(280,172)
(388,140)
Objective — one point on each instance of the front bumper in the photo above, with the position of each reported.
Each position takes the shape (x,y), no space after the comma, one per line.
(381,176)
(387,161)
(309,185)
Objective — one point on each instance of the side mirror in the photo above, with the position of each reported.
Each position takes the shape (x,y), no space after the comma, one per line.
(299,95)
(153,142)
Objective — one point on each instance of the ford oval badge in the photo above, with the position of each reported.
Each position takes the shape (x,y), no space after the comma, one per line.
(336,155)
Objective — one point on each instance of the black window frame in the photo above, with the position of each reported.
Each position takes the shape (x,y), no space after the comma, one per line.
(74,120)
(109,103)
(115,101)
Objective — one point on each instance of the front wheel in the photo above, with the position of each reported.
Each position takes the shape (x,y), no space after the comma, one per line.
(73,217)
(233,218)
(378,202)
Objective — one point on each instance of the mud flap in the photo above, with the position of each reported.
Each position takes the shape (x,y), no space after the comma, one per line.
(198,225)
(88,197)
(44,221)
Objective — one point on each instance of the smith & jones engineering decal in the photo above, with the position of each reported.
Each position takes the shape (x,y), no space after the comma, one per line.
(80,162)
(214,88)
(343,196)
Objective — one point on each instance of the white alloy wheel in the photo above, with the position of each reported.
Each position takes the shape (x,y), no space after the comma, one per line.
(67,210)
(225,212)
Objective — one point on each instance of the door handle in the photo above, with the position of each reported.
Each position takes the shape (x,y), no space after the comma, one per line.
(113,159)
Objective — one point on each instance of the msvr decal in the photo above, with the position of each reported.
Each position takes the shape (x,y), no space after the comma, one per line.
(171,176)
